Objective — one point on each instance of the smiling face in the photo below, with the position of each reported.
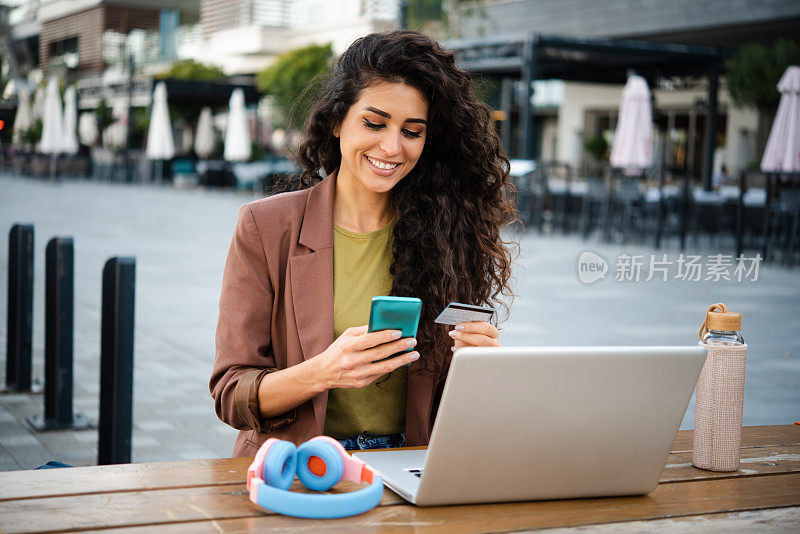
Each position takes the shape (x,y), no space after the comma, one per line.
(382,137)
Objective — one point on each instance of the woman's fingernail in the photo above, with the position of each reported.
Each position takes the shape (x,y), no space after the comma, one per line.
(396,334)
(411,342)
(414,355)
(459,327)
(452,333)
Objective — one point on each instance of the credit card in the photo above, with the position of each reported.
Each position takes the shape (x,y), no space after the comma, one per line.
(456,313)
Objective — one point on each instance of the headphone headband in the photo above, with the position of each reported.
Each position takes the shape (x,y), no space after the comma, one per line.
(315,506)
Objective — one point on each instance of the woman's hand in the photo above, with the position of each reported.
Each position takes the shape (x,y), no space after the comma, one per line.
(475,334)
(348,361)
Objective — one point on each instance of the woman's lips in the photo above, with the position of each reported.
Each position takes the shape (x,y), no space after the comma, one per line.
(377,170)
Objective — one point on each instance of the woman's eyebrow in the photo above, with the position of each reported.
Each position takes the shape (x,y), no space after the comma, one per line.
(386,115)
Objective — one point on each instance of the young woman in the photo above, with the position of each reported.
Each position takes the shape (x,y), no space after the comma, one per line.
(413,200)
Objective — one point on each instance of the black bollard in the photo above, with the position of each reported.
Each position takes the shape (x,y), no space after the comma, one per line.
(20,308)
(116,362)
(59,305)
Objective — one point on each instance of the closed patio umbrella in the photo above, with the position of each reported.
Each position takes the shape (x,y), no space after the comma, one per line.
(52,141)
(204,137)
(633,139)
(632,149)
(160,143)
(87,128)
(782,153)
(24,118)
(237,133)
(70,138)
(37,108)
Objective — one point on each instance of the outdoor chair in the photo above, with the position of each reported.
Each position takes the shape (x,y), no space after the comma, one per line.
(707,215)
(554,188)
(752,208)
(40,165)
(576,193)
(594,208)
(625,211)
(782,222)
(535,200)
(524,190)
(21,163)
(654,212)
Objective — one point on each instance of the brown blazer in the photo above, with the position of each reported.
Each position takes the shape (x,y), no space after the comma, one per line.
(276,310)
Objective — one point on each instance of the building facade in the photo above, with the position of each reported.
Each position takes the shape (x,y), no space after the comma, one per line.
(246,36)
(589,110)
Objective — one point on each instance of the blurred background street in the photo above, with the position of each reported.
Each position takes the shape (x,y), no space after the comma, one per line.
(643,137)
(180,240)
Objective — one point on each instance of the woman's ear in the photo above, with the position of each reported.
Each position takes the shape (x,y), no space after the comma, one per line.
(336,129)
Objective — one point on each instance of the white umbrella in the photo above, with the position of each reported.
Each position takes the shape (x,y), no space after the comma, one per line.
(37,109)
(204,137)
(24,118)
(633,139)
(114,134)
(782,153)
(70,138)
(52,126)
(237,133)
(87,128)
(160,143)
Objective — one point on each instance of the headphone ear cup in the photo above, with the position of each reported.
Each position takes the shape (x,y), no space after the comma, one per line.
(319,465)
(280,465)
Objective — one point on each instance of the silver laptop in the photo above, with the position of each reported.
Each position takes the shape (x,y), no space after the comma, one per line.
(528,423)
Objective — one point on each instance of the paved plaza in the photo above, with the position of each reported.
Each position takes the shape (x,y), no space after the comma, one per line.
(180,238)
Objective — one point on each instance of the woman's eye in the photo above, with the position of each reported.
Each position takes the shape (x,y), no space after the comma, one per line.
(408,133)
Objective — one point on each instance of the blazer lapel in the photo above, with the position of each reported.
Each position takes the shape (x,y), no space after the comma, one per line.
(311,276)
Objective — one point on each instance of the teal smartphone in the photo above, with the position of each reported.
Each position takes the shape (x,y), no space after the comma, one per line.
(395,313)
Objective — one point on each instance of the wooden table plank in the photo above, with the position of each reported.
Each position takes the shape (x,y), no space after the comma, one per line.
(774,519)
(124,477)
(164,475)
(209,509)
(752,436)
(754,461)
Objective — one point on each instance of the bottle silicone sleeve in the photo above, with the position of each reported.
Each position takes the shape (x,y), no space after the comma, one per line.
(718,408)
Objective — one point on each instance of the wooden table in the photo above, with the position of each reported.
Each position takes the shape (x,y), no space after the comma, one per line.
(210,496)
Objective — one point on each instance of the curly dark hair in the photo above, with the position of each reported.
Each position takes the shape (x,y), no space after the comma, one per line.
(451,207)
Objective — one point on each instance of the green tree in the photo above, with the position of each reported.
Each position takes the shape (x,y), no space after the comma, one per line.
(439,18)
(104,116)
(33,134)
(753,73)
(293,81)
(189,69)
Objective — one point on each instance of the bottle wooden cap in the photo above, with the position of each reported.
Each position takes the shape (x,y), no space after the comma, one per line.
(719,318)
(726,321)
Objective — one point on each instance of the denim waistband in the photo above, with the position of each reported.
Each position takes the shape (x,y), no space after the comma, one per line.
(363,442)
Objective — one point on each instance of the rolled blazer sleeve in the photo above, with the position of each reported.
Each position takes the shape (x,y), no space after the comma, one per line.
(243,342)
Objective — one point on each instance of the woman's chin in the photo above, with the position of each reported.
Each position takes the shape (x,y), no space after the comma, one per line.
(380,184)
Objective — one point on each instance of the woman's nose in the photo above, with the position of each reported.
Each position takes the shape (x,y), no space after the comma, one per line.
(390,144)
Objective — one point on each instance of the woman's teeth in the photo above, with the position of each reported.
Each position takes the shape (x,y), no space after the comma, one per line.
(380,165)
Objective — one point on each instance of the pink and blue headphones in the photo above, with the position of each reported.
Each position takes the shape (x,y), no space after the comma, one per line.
(319,463)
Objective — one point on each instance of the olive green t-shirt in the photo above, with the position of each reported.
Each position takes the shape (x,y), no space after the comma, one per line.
(360,272)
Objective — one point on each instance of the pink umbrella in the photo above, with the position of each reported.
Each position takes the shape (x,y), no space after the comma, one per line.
(633,139)
(783,146)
